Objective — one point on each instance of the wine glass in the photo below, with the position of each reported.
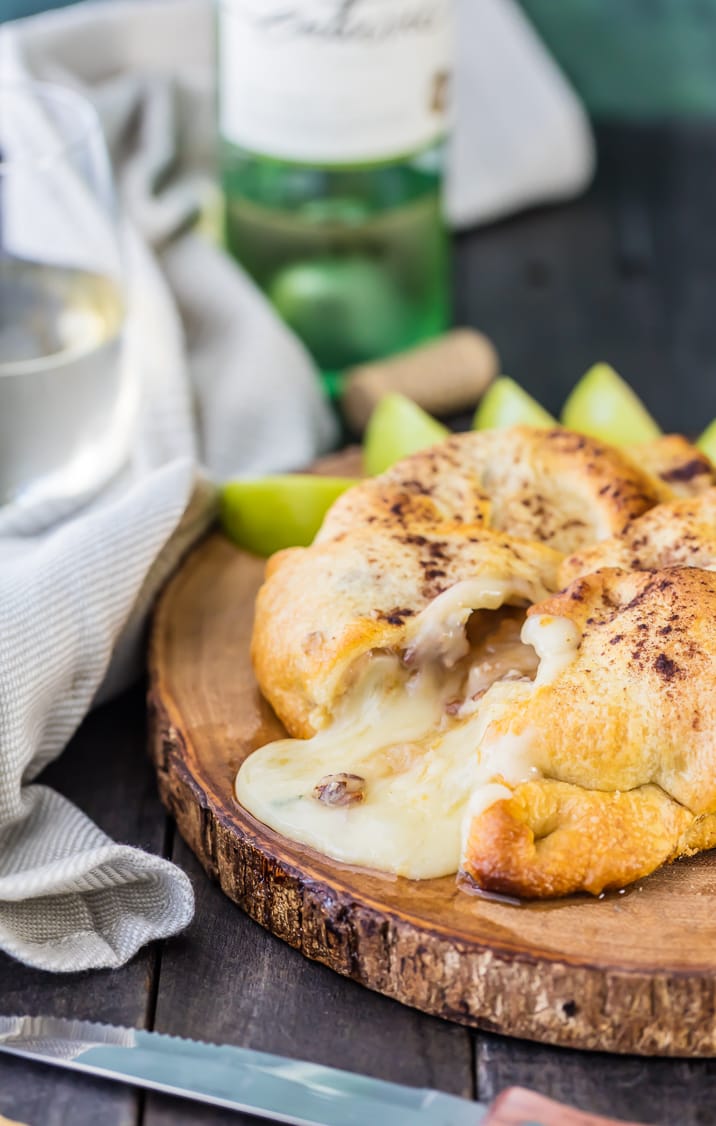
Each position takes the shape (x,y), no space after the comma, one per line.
(66,399)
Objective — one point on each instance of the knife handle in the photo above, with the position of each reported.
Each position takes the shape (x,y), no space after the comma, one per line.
(518,1107)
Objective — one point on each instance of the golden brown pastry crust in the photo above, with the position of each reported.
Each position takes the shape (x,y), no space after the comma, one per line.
(623,737)
(552,486)
(676,463)
(681,533)
(551,839)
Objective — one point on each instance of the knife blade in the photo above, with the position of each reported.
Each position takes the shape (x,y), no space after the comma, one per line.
(268,1086)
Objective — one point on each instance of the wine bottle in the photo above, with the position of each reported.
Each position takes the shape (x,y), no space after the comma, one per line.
(332,118)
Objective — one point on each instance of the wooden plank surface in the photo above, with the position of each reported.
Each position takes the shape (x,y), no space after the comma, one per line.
(105,770)
(229,980)
(665,1092)
(625,274)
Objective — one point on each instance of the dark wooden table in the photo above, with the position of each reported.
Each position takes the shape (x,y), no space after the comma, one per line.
(628,274)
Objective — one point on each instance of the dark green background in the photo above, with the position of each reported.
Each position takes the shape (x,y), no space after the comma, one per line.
(12,9)
(634,58)
(628,58)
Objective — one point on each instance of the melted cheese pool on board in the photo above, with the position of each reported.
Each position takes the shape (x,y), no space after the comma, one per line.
(394,780)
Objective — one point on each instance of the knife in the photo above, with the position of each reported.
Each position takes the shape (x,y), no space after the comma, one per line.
(274,1087)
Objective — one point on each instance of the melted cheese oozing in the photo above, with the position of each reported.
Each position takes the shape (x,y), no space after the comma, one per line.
(503,656)
(555,641)
(439,630)
(512,757)
(417,781)
(420,771)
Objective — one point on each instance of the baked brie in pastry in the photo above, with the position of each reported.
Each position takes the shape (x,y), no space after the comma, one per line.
(433,726)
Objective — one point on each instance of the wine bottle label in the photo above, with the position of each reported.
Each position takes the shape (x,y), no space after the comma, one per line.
(333,81)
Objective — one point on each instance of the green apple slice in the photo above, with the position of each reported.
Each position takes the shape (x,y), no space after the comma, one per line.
(604,406)
(398,427)
(707,442)
(270,513)
(505,403)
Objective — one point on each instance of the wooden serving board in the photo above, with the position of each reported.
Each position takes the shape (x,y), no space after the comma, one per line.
(631,972)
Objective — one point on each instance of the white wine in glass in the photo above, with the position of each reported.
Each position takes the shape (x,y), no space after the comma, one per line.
(66,398)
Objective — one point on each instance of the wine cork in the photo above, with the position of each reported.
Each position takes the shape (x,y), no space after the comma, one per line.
(444,377)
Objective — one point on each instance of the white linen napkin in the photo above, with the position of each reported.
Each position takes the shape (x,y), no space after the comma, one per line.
(220,381)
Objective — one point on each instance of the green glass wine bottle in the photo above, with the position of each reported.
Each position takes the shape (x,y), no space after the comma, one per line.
(332,119)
